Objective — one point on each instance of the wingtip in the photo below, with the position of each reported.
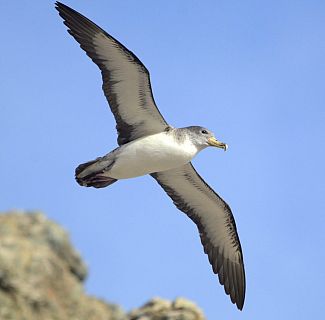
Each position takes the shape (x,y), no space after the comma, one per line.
(61,6)
(57,4)
(240,304)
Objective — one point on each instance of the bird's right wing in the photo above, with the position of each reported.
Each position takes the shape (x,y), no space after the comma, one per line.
(126,81)
(215,222)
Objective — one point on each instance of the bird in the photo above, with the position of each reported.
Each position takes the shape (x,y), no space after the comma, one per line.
(148,145)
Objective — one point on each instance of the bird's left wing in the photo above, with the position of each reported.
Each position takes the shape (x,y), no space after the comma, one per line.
(215,222)
(126,81)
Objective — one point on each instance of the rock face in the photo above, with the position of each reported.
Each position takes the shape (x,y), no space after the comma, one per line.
(159,309)
(41,278)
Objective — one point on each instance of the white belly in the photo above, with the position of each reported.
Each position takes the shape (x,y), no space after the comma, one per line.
(158,152)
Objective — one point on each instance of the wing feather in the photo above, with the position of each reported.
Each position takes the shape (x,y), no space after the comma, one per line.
(126,81)
(215,222)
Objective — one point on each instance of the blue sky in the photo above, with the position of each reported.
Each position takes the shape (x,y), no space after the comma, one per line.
(251,71)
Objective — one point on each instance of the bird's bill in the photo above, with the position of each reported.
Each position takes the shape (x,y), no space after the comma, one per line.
(215,143)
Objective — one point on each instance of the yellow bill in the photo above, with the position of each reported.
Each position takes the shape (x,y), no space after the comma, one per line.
(215,143)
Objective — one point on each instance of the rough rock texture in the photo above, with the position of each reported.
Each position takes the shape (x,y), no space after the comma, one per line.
(159,309)
(41,278)
(41,274)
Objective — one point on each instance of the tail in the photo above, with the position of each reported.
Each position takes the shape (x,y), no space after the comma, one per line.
(91,174)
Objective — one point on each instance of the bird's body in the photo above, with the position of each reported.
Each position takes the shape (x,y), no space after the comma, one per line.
(154,153)
(149,145)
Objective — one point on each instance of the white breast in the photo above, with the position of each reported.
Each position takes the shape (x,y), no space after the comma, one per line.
(155,153)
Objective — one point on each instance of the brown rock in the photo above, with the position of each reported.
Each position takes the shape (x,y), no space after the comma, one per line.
(160,309)
(41,274)
(41,278)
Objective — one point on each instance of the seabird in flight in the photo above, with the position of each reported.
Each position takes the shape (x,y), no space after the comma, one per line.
(149,145)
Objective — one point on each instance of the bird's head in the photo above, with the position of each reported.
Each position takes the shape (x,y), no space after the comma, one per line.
(205,138)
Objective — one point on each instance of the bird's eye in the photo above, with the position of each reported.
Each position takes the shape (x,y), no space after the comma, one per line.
(204,132)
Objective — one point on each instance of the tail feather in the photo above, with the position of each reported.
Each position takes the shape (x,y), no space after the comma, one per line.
(83,166)
(95,179)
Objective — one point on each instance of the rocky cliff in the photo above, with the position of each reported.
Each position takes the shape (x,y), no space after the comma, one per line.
(41,278)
